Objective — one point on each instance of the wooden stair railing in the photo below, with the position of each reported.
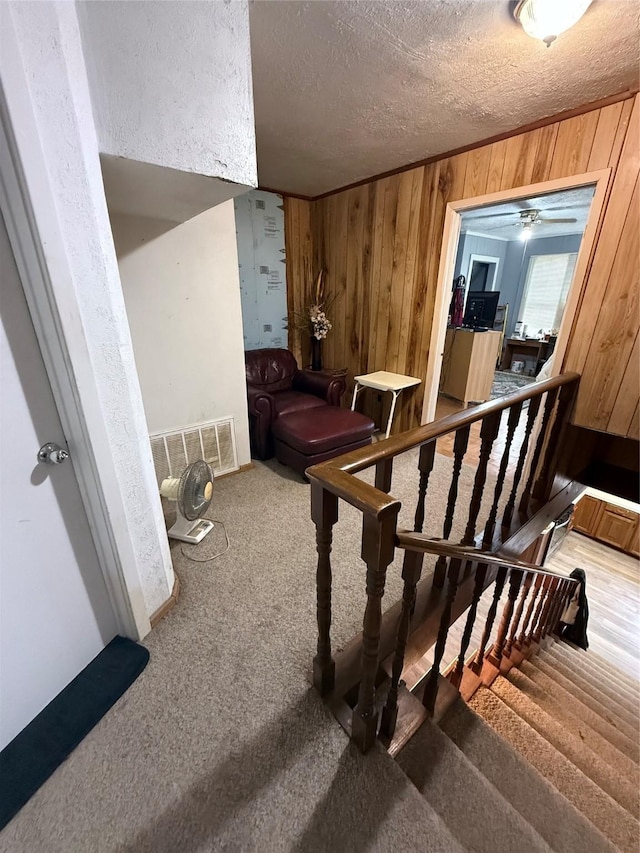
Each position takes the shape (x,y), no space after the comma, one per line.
(366,677)
(559,590)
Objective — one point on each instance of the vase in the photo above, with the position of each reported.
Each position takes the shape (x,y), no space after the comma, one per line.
(316,353)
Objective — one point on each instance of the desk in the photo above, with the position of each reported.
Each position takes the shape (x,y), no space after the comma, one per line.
(530,348)
(383,381)
(468,364)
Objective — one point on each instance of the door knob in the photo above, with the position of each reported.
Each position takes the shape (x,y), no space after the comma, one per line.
(52,454)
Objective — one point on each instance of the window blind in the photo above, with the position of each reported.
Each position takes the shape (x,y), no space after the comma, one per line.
(545,292)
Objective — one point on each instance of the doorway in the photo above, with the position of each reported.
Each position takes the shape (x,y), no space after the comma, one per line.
(534,243)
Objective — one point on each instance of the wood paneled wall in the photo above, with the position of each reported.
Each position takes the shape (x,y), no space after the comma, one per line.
(380,244)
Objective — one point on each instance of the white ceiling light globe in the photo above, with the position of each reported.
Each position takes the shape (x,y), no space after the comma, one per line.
(546,19)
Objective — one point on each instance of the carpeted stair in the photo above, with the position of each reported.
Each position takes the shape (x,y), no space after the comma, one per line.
(544,759)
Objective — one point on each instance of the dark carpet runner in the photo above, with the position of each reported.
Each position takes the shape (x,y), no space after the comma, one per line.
(31,757)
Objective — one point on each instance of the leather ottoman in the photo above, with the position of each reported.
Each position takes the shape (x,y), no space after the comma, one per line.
(310,436)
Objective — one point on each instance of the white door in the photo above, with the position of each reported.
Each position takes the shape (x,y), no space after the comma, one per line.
(55,613)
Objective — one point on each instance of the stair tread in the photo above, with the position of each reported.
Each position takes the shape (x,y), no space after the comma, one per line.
(473,809)
(557,820)
(594,719)
(595,659)
(587,696)
(607,683)
(580,727)
(587,686)
(602,810)
(569,744)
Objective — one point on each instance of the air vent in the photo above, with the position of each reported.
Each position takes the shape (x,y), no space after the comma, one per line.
(214,441)
(260,204)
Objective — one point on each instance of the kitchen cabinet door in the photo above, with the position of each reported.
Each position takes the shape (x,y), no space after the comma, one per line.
(587,515)
(616,526)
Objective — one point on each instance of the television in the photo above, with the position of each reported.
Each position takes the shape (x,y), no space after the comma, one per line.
(480,311)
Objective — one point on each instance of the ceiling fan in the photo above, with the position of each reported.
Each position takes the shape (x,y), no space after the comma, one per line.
(530,218)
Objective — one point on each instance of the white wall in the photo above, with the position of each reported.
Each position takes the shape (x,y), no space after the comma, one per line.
(171,84)
(49,107)
(182,292)
(263,280)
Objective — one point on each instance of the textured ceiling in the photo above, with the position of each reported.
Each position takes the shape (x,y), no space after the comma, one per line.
(346,90)
(503,220)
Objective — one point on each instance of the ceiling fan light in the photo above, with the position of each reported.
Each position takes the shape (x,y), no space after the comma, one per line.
(546,19)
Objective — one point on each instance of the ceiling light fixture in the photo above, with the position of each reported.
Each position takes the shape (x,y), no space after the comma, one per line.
(526,232)
(546,19)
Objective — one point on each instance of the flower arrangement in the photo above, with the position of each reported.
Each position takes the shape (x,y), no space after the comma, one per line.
(313,320)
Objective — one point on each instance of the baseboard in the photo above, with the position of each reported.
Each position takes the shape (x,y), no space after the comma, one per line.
(240,470)
(168,604)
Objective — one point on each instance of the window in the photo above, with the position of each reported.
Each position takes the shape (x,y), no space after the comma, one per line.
(545,291)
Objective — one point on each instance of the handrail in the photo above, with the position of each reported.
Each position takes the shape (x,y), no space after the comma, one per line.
(427,610)
(375,502)
(422,544)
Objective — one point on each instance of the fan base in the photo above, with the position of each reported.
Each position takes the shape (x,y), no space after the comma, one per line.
(196,534)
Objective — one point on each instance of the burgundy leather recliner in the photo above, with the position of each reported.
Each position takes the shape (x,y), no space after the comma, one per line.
(275,386)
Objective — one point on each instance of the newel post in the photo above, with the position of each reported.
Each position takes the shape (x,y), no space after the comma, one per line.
(324,512)
(378,545)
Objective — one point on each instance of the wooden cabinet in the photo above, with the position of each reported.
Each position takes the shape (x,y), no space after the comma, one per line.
(585,516)
(469,363)
(608,523)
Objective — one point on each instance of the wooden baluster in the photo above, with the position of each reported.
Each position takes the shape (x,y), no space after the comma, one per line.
(553,606)
(495,656)
(411,569)
(512,423)
(488,434)
(544,428)
(555,609)
(431,686)
(378,544)
(460,444)
(324,512)
(551,603)
(525,625)
(384,472)
(544,483)
(546,602)
(534,405)
(481,574)
(412,566)
(425,466)
(491,615)
(544,589)
(528,580)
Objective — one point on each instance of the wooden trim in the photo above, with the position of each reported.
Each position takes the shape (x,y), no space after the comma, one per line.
(284,193)
(168,604)
(601,178)
(240,470)
(451,237)
(525,128)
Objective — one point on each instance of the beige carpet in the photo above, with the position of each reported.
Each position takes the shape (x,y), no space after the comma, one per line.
(585,762)
(221,745)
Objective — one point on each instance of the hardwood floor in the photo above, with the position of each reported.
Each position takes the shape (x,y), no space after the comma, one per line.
(613,591)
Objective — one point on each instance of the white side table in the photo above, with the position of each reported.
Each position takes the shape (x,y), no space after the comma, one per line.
(384,381)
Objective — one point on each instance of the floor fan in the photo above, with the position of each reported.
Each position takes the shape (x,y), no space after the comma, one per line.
(192,493)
